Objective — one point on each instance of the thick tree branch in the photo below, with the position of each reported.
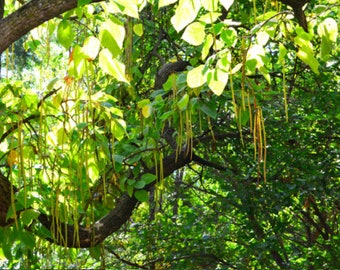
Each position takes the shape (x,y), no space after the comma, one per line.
(29,16)
(83,237)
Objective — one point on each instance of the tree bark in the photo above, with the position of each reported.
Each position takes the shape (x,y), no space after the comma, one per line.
(29,16)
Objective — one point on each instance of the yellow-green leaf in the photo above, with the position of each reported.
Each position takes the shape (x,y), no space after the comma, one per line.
(185,13)
(207,45)
(138,29)
(163,3)
(112,66)
(195,77)
(305,53)
(328,30)
(147,110)
(194,33)
(210,5)
(91,47)
(218,81)
(226,3)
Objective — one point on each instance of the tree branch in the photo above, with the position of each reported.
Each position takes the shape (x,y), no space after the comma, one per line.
(29,16)
(83,237)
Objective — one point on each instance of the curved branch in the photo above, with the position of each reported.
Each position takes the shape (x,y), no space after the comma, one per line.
(29,16)
(83,237)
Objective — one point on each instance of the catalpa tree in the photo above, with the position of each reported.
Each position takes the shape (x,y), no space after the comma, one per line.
(169,134)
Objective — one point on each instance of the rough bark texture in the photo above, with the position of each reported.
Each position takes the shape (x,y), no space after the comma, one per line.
(5,199)
(298,12)
(29,16)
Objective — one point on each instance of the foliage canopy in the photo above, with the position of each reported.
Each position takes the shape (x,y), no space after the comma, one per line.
(165,134)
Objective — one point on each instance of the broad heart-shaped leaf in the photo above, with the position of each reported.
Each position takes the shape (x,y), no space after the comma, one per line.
(226,3)
(328,30)
(65,34)
(209,40)
(142,195)
(147,110)
(129,8)
(195,77)
(194,33)
(210,5)
(148,178)
(112,36)
(91,47)
(218,81)
(305,53)
(163,3)
(183,102)
(27,216)
(83,2)
(112,66)
(185,13)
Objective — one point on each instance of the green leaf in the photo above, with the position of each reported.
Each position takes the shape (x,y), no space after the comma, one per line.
(95,252)
(207,45)
(306,54)
(229,36)
(210,5)
(163,3)
(185,13)
(218,81)
(226,3)
(194,33)
(118,128)
(93,170)
(83,2)
(138,29)
(112,66)
(183,102)
(129,8)
(328,30)
(91,47)
(148,178)
(65,34)
(209,109)
(129,190)
(147,110)
(142,195)
(112,35)
(139,184)
(195,77)
(27,216)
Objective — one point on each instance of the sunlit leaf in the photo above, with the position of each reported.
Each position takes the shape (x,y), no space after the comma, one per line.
(194,33)
(209,40)
(112,35)
(226,3)
(195,77)
(218,81)
(185,13)
(91,47)
(328,30)
(147,110)
(27,216)
(65,33)
(210,5)
(138,29)
(306,55)
(163,3)
(183,102)
(112,66)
